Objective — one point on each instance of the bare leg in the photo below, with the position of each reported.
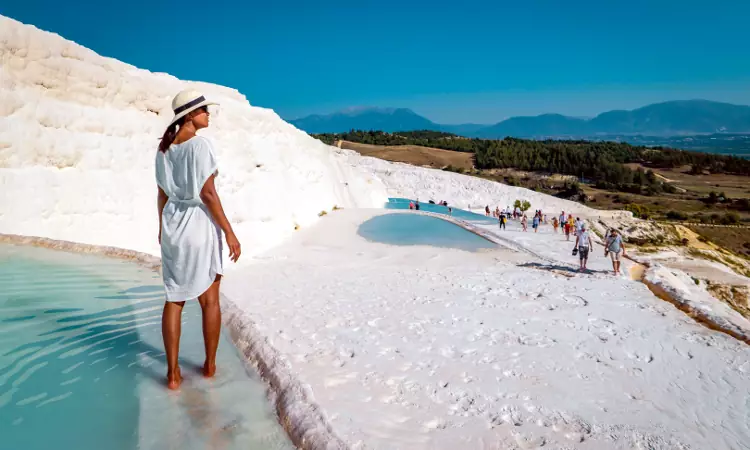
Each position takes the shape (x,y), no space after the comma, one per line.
(209,301)
(171,325)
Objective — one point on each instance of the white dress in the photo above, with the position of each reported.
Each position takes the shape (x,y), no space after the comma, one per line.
(191,242)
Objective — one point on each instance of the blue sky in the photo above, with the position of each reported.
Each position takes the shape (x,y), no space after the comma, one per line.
(454,62)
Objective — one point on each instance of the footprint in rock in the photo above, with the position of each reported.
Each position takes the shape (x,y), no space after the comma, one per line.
(575,300)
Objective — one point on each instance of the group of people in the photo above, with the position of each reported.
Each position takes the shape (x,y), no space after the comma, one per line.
(516,214)
(613,244)
(414,205)
(568,223)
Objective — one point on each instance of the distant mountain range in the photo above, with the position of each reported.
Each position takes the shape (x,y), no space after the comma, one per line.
(673,118)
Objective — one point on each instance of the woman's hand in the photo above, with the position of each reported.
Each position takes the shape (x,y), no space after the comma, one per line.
(234,247)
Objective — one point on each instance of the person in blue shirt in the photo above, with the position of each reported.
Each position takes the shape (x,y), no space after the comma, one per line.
(535,223)
(615,247)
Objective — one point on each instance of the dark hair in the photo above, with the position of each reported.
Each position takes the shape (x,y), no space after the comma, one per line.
(169,134)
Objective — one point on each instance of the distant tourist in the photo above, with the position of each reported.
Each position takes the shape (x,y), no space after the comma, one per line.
(524,222)
(487,210)
(411,205)
(569,227)
(535,223)
(583,244)
(191,223)
(615,247)
(555,223)
(416,205)
(450,211)
(502,219)
(578,224)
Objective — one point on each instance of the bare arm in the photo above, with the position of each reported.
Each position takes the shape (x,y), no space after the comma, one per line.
(211,199)
(161,200)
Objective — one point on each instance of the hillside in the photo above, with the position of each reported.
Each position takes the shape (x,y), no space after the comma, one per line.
(413,154)
(672,118)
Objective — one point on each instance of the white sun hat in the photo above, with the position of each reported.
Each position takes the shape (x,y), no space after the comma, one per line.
(186,101)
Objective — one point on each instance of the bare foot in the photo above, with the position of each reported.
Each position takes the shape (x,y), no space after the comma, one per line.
(174,379)
(209,370)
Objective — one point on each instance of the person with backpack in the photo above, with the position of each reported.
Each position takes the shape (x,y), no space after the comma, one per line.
(615,248)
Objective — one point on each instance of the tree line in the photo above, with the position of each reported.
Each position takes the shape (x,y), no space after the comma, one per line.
(598,161)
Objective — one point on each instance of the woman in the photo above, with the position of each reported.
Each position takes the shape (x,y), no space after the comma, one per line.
(555,223)
(535,223)
(524,222)
(191,222)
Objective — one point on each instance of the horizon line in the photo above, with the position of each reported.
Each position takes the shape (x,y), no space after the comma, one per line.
(580,117)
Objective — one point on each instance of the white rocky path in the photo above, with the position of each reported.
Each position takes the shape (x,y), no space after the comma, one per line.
(419,347)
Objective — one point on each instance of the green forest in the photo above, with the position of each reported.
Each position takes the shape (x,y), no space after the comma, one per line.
(602,162)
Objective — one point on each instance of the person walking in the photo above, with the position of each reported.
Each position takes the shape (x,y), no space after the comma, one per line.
(615,247)
(555,224)
(570,227)
(584,245)
(191,224)
(535,223)
(524,222)
(487,210)
(501,220)
(577,225)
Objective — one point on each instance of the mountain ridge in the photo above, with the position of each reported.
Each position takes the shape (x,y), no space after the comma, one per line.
(670,118)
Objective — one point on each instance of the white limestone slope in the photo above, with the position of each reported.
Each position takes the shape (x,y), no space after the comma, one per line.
(468,192)
(78,136)
(78,133)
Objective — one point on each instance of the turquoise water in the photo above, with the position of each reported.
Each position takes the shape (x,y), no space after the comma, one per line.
(82,365)
(416,229)
(403,203)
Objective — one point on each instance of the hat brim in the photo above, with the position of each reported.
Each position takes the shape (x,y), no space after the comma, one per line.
(182,114)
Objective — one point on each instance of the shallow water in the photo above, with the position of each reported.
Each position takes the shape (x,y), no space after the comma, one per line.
(82,364)
(403,203)
(417,229)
